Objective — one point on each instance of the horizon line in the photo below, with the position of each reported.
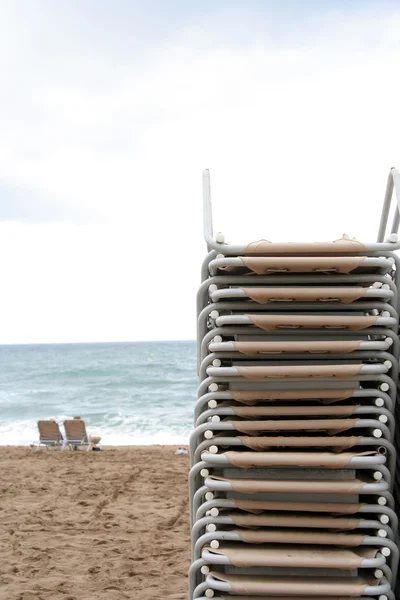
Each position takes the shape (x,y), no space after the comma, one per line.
(101,342)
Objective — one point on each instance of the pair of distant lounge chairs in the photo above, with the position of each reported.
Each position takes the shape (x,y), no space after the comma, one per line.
(75,434)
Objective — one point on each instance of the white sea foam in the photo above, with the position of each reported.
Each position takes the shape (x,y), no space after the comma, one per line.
(25,433)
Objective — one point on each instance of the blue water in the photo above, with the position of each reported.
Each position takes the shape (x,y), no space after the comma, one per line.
(129,393)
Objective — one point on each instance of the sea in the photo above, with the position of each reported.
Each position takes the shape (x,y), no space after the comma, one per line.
(128,393)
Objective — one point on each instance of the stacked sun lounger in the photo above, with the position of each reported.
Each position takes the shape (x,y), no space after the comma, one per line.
(293,484)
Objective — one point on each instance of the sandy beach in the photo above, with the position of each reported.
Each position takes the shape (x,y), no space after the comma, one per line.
(93,525)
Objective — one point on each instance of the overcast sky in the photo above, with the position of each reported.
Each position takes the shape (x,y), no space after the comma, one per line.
(111,109)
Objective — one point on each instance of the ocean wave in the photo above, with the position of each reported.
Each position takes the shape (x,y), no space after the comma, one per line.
(138,393)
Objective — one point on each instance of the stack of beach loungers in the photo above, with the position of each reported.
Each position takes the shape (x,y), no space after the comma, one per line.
(293,483)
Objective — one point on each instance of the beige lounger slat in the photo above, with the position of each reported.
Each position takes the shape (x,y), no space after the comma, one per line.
(263,295)
(262,372)
(258,444)
(298,586)
(316,347)
(275,535)
(262,265)
(287,411)
(282,519)
(289,459)
(338,247)
(235,597)
(334,425)
(250,396)
(269,322)
(312,486)
(259,506)
(314,557)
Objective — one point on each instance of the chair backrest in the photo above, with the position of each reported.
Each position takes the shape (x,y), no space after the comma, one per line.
(49,431)
(75,430)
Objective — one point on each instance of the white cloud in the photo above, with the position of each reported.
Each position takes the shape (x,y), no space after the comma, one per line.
(299,130)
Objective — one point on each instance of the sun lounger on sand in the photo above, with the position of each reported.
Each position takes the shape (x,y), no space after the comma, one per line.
(49,434)
(76,435)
